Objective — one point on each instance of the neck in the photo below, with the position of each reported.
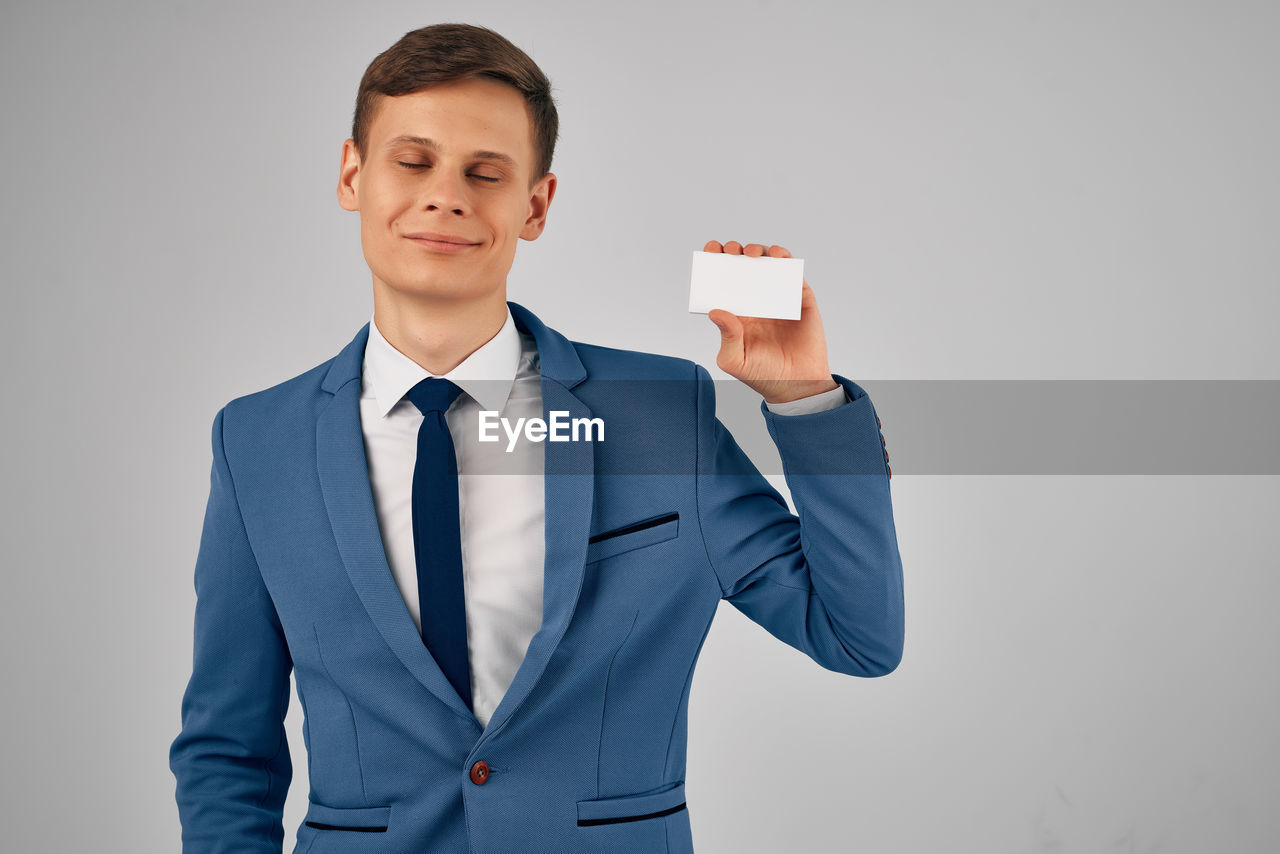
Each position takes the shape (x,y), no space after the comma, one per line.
(439,334)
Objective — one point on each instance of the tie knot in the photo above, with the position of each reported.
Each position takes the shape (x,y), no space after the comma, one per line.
(433,394)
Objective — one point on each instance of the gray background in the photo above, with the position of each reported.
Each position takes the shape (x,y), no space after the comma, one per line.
(1017,190)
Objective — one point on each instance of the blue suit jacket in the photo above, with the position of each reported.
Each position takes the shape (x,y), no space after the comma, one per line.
(645,533)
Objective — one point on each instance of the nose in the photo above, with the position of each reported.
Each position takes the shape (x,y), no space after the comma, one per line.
(445,191)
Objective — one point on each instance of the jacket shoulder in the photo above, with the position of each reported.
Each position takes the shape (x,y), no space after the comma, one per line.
(280,405)
(615,363)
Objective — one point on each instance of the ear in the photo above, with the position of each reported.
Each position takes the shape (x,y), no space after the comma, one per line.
(539,203)
(349,177)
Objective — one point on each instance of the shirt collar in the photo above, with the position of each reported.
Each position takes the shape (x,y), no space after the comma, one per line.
(487,374)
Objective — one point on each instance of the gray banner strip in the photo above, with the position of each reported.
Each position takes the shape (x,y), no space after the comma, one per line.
(932,427)
(1062,427)
(1076,427)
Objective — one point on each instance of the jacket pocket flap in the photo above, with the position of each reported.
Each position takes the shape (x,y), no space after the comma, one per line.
(368,819)
(645,532)
(632,807)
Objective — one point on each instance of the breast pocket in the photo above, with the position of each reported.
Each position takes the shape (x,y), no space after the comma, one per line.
(627,808)
(645,532)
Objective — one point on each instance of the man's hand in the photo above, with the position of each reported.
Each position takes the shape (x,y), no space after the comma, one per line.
(782,359)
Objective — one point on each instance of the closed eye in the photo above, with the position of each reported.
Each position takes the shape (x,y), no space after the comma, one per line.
(426,165)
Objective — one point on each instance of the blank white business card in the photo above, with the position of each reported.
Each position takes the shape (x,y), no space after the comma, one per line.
(742,285)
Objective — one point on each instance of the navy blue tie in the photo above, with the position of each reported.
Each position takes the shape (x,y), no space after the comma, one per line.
(437,541)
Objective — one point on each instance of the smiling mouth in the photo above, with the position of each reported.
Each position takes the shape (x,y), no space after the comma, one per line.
(450,246)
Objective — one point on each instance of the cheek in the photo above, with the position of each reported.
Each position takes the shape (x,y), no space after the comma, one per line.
(512,220)
(387,204)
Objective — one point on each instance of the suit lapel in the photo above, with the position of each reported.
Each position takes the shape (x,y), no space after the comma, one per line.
(568,496)
(348,497)
(568,491)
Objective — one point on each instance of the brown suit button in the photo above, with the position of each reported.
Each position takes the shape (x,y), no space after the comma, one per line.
(480,772)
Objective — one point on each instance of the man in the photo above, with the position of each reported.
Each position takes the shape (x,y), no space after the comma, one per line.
(493,642)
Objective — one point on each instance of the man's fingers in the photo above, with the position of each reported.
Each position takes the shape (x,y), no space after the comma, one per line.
(755,250)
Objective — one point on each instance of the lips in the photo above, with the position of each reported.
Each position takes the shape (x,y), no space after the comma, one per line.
(437,237)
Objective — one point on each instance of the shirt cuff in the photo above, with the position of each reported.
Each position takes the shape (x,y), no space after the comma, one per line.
(819,402)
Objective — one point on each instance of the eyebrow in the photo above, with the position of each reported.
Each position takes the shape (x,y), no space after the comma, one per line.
(434,146)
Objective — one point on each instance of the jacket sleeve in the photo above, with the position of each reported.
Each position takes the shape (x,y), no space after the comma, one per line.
(827,581)
(231,758)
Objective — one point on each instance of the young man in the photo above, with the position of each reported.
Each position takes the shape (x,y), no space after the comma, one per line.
(493,642)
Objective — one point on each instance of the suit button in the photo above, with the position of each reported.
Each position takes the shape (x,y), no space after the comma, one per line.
(480,772)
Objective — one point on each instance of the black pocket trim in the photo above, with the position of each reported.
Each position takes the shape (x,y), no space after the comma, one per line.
(631,529)
(318,826)
(586,822)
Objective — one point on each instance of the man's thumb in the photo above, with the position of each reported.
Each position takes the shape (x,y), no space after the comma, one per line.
(726,331)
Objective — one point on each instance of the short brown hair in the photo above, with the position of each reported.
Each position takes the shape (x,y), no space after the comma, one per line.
(443,53)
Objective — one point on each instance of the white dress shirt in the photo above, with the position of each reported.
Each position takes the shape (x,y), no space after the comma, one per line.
(500,492)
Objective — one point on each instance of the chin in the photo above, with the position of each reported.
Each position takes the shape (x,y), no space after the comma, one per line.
(437,285)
